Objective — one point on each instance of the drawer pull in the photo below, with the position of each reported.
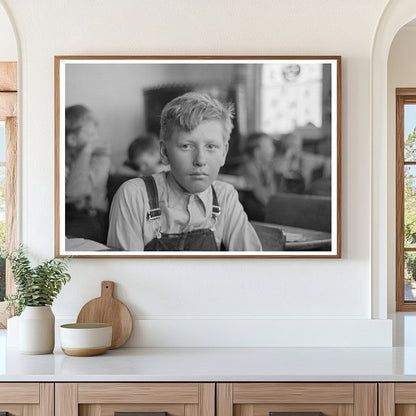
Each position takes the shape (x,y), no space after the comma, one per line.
(140,414)
(295,413)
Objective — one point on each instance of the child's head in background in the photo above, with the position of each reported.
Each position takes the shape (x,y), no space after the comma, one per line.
(144,154)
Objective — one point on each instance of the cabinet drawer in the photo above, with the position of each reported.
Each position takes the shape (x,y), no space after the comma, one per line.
(106,399)
(138,409)
(138,393)
(19,393)
(268,399)
(27,399)
(397,399)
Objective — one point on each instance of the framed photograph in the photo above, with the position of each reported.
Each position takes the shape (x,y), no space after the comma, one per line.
(219,156)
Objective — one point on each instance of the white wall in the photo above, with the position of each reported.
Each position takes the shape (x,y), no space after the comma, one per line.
(214,301)
(401,74)
(8,45)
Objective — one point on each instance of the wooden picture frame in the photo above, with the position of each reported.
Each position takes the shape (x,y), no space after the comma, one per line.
(292,102)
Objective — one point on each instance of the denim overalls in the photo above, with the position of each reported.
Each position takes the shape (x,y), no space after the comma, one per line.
(196,240)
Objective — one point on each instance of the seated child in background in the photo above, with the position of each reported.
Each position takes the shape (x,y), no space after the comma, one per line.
(184,209)
(143,157)
(259,172)
(87,166)
(298,168)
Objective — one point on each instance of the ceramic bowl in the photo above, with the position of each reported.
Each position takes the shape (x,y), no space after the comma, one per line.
(83,340)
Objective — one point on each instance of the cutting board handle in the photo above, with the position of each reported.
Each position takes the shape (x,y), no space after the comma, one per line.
(107,288)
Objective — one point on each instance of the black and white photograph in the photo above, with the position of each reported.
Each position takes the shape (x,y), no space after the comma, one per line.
(198,156)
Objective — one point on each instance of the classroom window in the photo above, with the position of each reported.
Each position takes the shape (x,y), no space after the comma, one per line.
(291,96)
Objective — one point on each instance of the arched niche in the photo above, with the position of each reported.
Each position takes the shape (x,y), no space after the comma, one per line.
(396,14)
(401,74)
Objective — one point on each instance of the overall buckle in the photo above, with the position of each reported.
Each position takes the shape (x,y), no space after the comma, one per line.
(153,214)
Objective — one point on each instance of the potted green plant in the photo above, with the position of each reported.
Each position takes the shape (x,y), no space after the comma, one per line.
(36,289)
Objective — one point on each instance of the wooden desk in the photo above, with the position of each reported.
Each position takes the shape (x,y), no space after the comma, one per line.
(295,239)
(312,239)
(82,244)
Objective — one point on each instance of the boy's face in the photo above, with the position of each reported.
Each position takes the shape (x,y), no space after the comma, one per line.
(87,133)
(148,162)
(196,157)
(265,151)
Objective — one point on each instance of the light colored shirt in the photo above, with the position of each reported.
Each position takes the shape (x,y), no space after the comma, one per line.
(94,190)
(261,179)
(181,212)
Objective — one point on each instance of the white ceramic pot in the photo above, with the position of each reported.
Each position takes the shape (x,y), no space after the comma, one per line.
(36,330)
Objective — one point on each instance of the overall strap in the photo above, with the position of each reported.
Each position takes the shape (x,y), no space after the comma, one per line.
(155,212)
(151,188)
(216,209)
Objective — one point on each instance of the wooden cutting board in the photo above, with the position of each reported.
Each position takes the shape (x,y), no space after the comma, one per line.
(111,311)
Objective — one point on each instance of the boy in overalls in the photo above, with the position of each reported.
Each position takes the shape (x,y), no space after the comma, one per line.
(186,208)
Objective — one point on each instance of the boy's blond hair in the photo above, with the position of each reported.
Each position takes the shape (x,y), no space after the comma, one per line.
(189,110)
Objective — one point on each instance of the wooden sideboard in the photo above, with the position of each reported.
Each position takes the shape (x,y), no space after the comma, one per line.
(208,399)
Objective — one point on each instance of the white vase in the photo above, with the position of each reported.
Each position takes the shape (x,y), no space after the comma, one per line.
(37,330)
(12,333)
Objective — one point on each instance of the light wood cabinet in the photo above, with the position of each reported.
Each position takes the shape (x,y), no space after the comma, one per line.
(105,399)
(27,399)
(208,399)
(397,399)
(264,399)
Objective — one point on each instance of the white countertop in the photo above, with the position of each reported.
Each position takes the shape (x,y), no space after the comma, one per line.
(214,364)
(221,364)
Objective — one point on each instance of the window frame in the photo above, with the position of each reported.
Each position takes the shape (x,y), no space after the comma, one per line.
(8,113)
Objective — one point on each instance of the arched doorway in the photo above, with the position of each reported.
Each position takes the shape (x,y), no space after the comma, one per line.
(396,14)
